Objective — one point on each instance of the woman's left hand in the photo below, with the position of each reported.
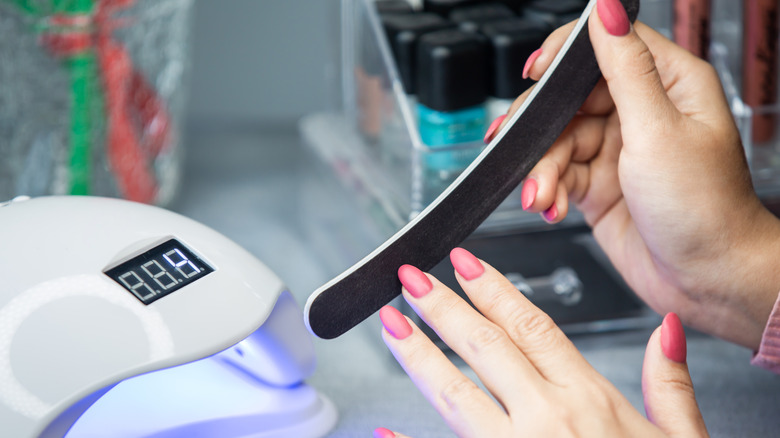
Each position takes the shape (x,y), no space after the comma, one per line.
(543,385)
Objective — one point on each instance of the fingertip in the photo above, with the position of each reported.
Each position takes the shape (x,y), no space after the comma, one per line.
(528,193)
(673,343)
(395,322)
(530,62)
(381,432)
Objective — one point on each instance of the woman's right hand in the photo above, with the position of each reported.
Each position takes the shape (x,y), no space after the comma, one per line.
(654,162)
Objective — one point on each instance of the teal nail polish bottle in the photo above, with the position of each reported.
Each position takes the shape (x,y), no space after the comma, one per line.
(452,87)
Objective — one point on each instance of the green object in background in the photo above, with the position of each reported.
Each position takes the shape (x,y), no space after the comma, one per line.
(82,69)
(82,81)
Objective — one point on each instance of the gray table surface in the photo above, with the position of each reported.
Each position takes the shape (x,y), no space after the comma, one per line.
(260,187)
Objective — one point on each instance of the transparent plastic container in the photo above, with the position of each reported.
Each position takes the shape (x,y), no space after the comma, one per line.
(92,97)
(374,143)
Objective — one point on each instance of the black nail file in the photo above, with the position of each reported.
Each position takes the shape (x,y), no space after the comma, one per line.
(373,282)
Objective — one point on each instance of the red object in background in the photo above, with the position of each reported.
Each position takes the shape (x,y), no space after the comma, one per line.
(760,55)
(138,125)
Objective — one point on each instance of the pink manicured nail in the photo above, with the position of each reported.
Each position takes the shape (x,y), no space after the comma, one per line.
(381,432)
(468,266)
(614,17)
(551,213)
(414,280)
(528,195)
(395,323)
(492,128)
(673,338)
(530,62)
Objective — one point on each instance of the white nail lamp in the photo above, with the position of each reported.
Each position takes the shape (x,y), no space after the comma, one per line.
(121,319)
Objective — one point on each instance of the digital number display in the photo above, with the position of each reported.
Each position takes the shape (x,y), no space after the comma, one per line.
(161,270)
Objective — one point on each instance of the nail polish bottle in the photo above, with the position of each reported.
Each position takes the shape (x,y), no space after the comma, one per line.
(469,18)
(511,42)
(452,89)
(555,13)
(369,89)
(403,33)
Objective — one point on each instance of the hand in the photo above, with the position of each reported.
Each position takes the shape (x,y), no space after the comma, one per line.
(654,162)
(543,385)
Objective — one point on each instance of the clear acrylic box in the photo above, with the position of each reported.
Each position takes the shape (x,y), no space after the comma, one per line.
(373,141)
(372,145)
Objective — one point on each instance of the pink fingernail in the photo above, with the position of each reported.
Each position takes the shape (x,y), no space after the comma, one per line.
(395,323)
(673,338)
(528,195)
(492,128)
(415,281)
(614,17)
(551,213)
(530,62)
(468,266)
(381,432)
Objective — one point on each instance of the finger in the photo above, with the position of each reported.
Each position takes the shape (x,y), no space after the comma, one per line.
(581,142)
(549,50)
(532,330)
(629,69)
(560,207)
(480,343)
(599,102)
(666,384)
(683,75)
(381,432)
(463,405)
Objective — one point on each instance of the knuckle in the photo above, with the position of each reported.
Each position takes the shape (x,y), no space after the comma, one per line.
(485,337)
(457,392)
(531,324)
(678,384)
(645,64)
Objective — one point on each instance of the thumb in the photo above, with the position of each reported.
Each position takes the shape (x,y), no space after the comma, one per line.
(628,66)
(670,402)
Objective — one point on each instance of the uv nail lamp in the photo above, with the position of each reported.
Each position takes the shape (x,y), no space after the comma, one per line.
(120,319)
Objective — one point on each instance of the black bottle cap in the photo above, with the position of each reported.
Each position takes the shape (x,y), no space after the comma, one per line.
(469,18)
(443,7)
(512,42)
(452,70)
(393,6)
(555,13)
(403,32)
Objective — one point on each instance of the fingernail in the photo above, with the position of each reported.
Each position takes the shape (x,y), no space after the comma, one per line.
(551,213)
(414,280)
(614,17)
(528,195)
(468,266)
(395,323)
(530,62)
(381,432)
(492,128)
(673,338)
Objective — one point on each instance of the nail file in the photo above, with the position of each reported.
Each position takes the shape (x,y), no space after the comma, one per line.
(364,288)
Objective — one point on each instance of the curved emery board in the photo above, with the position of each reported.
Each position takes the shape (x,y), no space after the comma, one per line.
(373,282)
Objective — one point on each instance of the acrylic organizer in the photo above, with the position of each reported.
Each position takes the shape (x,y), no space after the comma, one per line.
(758,124)
(91,97)
(374,140)
(374,145)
